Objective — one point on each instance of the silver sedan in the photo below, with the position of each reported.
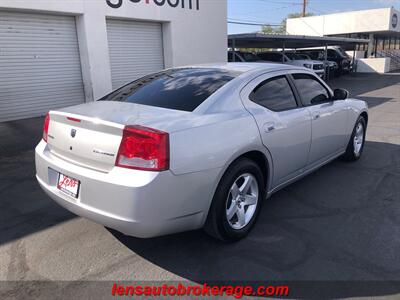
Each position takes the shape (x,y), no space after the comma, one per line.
(196,147)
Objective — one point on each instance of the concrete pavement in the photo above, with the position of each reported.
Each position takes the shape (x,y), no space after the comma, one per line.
(339,224)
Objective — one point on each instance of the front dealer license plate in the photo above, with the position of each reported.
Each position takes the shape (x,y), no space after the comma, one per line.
(68,185)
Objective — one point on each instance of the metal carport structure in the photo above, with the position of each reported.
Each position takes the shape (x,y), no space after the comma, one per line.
(283,41)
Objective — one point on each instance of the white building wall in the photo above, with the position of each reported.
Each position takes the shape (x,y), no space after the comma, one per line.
(373,65)
(190,36)
(341,23)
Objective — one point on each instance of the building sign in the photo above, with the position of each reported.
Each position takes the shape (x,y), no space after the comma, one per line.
(189,4)
(394,20)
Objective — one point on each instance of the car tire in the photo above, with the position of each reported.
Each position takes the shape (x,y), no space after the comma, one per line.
(355,146)
(231,217)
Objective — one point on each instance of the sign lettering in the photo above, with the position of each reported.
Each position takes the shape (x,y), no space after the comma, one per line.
(189,4)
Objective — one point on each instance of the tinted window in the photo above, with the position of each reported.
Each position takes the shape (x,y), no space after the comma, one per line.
(274,94)
(180,89)
(310,89)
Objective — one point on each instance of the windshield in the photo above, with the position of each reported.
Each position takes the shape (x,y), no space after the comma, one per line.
(293,56)
(342,52)
(304,56)
(179,89)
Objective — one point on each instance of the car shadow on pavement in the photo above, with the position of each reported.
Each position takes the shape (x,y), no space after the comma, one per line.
(375,89)
(372,83)
(24,208)
(376,101)
(333,234)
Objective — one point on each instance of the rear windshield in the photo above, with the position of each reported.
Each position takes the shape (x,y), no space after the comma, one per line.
(179,89)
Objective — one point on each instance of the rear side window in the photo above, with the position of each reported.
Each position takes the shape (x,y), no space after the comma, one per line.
(310,89)
(180,89)
(274,94)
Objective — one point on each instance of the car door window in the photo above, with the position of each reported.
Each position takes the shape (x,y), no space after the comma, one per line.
(274,94)
(310,89)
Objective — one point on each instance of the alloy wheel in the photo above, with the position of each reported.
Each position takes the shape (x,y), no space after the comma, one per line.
(242,201)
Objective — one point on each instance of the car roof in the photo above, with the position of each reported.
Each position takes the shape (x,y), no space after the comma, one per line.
(244,67)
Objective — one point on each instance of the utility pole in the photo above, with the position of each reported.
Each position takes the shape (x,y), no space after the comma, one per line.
(304,8)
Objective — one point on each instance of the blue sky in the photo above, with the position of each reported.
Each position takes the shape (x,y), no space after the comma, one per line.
(273,11)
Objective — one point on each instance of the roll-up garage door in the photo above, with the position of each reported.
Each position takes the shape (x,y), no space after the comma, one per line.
(40,65)
(136,49)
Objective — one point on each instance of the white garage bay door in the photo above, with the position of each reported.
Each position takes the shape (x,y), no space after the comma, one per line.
(39,64)
(136,49)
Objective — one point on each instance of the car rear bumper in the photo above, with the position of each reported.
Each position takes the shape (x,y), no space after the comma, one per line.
(138,203)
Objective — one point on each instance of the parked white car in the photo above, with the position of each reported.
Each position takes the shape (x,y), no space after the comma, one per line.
(194,147)
(292,58)
(332,67)
(334,53)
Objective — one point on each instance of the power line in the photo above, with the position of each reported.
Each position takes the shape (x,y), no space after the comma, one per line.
(318,11)
(264,11)
(253,24)
(247,20)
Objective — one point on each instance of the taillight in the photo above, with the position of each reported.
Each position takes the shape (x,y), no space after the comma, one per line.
(74,119)
(46,127)
(143,148)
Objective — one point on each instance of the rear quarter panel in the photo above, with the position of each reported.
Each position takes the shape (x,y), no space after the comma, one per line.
(214,145)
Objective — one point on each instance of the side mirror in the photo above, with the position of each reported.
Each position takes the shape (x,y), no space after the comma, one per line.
(319,99)
(340,94)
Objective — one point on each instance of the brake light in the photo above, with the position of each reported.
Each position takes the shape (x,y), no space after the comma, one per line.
(46,127)
(74,119)
(143,148)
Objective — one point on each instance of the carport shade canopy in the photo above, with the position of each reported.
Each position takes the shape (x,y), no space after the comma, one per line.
(262,40)
(284,41)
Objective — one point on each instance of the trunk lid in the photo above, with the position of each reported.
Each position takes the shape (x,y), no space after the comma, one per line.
(90,134)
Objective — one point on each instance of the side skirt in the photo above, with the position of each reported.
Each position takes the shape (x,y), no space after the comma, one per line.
(298,177)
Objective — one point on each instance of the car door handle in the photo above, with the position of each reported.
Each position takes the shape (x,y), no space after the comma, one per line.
(269,126)
(316,115)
